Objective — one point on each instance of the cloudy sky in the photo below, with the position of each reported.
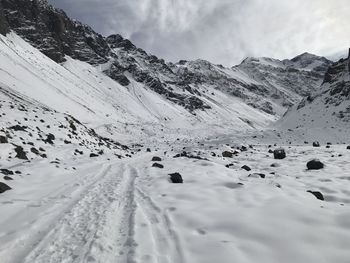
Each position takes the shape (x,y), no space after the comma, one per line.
(222,31)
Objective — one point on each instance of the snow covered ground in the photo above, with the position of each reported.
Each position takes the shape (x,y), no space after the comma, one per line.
(79,197)
(128,211)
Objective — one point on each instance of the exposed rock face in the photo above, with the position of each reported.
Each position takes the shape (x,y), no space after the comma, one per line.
(52,32)
(3,22)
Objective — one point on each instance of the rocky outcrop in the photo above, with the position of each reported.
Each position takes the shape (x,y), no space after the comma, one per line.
(4,29)
(53,32)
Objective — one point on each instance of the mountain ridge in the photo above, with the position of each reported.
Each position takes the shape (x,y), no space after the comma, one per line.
(61,36)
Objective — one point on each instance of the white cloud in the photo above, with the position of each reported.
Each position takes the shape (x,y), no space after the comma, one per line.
(222,31)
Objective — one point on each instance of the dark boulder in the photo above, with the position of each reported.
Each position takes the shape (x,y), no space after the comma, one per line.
(348,148)
(20,153)
(317,194)
(158,165)
(246,167)
(279,154)
(6,172)
(8,178)
(316,144)
(3,139)
(176,178)
(4,188)
(18,128)
(227,154)
(315,164)
(92,155)
(49,138)
(35,151)
(156,159)
(148,150)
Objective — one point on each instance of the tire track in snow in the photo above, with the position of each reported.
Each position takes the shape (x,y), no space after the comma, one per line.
(99,228)
(167,246)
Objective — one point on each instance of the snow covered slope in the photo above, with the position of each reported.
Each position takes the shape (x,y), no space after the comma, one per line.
(83,91)
(325,114)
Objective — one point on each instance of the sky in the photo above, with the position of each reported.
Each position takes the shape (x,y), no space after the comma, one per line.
(221,31)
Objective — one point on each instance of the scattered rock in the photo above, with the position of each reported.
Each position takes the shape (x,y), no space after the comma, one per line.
(246,167)
(18,128)
(315,164)
(227,154)
(275,165)
(3,139)
(50,138)
(156,159)
(257,175)
(316,144)
(317,194)
(279,154)
(20,154)
(158,165)
(229,165)
(6,172)
(8,178)
(4,188)
(176,178)
(35,151)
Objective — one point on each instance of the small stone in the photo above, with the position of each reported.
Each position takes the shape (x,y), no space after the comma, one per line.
(317,194)
(158,165)
(246,167)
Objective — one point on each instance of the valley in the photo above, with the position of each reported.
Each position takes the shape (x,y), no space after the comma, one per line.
(111,154)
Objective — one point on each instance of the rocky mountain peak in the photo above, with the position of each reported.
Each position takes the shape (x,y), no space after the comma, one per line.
(117,41)
(53,32)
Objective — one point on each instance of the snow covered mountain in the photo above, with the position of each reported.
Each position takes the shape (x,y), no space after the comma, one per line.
(325,114)
(267,86)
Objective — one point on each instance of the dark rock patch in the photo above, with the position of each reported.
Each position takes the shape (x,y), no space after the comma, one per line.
(176,178)
(3,139)
(7,178)
(158,165)
(316,144)
(246,167)
(35,151)
(315,164)
(156,159)
(279,154)
(227,154)
(50,138)
(20,153)
(18,128)
(317,194)
(6,172)
(257,175)
(4,188)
